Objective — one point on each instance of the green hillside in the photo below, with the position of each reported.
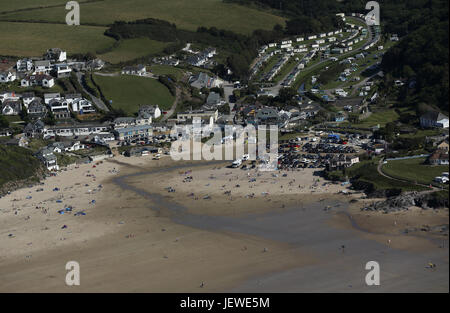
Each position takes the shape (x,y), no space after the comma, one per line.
(17,163)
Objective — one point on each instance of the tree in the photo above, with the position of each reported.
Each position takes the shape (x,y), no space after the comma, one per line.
(353,118)
(50,119)
(286,94)
(3,122)
(24,115)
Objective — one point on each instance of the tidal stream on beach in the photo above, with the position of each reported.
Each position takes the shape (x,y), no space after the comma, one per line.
(342,252)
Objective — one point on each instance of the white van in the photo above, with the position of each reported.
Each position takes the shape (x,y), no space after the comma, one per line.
(441,180)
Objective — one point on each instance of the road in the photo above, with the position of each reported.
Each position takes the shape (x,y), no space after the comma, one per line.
(174,105)
(228,89)
(362,83)
(98,102)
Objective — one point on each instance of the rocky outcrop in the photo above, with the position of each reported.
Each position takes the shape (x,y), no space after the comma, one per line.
(408,200)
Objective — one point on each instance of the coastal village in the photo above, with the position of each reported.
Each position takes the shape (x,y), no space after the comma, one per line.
(57,119)
(338,134)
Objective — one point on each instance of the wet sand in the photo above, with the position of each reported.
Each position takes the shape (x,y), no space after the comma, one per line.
(156,241)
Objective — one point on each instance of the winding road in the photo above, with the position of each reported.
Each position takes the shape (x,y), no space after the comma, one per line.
(98,102)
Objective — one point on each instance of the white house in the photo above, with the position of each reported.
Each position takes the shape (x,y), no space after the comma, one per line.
(57,105)
(135,70)
(62,70)
(24,65)
(38,80)
(82,106)
(434,119)
(8,76)
(79,130)
(42,67)
(60,109)
(48,158)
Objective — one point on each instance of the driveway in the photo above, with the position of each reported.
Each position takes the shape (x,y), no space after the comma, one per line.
(174,105)
(98,102)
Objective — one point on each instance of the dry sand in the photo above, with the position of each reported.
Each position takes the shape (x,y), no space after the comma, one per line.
(266,235)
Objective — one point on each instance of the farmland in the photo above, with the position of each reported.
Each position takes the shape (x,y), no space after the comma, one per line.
(36,38)
(185,14)
(129,92)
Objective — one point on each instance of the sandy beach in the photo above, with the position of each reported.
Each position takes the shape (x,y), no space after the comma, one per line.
(140,225)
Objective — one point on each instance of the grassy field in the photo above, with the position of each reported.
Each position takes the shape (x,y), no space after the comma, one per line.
(167,70)
(33,39)
(422,133)
(414,170)
(381,118)
(366,172)
(129,92)
(131,49)
(8,6)
(185,14)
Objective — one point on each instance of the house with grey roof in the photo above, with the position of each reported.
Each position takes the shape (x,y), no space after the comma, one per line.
(37,108)
(48,158)
(11,107)
(42,80)
(42,67)
(212,101)
(203,80)
(134,132)
(34,129)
